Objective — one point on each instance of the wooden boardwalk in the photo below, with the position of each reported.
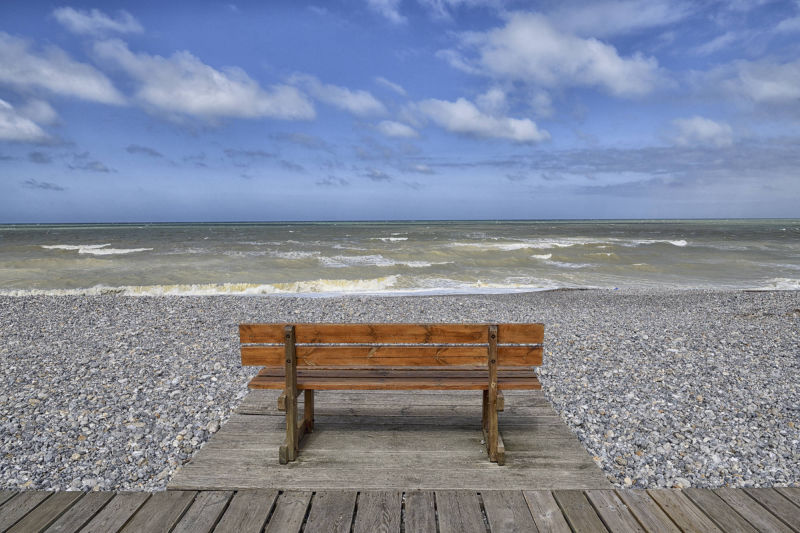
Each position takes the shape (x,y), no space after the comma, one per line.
(381,440)
(457,511)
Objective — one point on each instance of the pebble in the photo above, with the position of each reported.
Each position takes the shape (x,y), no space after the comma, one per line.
(663,388)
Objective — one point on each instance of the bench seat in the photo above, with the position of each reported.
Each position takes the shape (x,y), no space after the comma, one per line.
(400,378)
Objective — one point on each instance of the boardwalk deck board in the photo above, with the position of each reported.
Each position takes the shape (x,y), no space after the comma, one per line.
(683,512)
(356,435)
(420,512)
(720,512)
(459,512)
(791,493)
(116,513)
(46,512)
(331,511)
(545,511)
(6,495)
(80,513)
(247,512)
(614,514)
(506,510)
(752,511)
(378,511)
(777,505)
(290,510)
(647,512)
(580,514)
(17,507)
(484,511)
(206,510)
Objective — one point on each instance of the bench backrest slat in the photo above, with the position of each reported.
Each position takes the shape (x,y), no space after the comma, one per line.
(391,355)
(392,344)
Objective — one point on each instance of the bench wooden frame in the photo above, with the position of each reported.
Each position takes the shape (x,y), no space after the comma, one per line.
(309,357)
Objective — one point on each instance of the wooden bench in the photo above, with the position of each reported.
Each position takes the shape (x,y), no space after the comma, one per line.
(309,357)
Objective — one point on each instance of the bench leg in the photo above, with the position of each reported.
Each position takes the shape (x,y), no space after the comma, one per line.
(288,452)
(308,410)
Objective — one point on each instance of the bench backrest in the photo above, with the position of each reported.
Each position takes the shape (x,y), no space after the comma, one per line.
(393,345)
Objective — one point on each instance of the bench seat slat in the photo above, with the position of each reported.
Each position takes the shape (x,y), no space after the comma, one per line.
(385,379)
(393,333)
(391,355)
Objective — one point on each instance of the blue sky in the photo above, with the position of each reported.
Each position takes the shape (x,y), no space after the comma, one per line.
(398,109)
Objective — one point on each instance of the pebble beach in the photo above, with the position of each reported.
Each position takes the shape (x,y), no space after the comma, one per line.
(663,388)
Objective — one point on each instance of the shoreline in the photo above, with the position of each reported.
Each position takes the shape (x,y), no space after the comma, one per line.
(663,387)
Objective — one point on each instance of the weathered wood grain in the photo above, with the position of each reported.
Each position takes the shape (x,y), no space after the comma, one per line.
(614,514)
(331,512)
(420,512)
(647,512)
(459,512)
(80,513)
(290,510)
(579,513)
(790,493)
(777,505)
(46,512)
(545,511)
(367,333)
(751,510)
(687,516)
(720,512)
(204,513)
(116,513)
(247,511)
(161,511)
(18,506)
(506,510)
(378,511)
(6,495)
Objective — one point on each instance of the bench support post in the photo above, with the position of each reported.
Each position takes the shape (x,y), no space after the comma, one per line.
(493,439)
(308,409)
(288,452)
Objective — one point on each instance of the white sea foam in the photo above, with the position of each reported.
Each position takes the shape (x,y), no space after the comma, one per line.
(95,249)
(389,239)
(543,257)
(780,284)
(344,261)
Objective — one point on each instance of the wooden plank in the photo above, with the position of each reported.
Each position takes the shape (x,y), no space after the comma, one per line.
(777,505)
(161,511)
(790,493)
(614,514)
(46,512)
(308,409)
(331,511)
(116,513)
(366,333)
(459,511)
(579,513)
(683,512)
(720,512)
(81,512)
(290,510)
(288,452)
(521,333)
(378,511)
(751,510)
(20,505)
(545,511)
(500,450)
(247,512)
(525,356)
(647,512)
(355,382)
(420,512)
(491,407)
(204,513)
(506,510)
(6,495)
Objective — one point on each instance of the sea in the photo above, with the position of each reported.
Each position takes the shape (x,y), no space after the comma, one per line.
(397,258)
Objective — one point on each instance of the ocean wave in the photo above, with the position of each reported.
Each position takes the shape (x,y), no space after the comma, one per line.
(95,249)
(780,284)
(543,257)
(389,239)
(344,261)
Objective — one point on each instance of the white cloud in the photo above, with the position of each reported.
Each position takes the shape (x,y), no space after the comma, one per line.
(718,43)
(95,22)
(542,104)
(52,69)
(462,116)
(701,131)
(763,82)
(360,102)
(529,48)
(391,128)
(39,111)
(492,101)
(390,85)
(609,18)
(182,84)
(15,127)
(389,9)
(789,25)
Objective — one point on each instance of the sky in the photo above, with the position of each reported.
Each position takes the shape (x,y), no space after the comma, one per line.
(398,110)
